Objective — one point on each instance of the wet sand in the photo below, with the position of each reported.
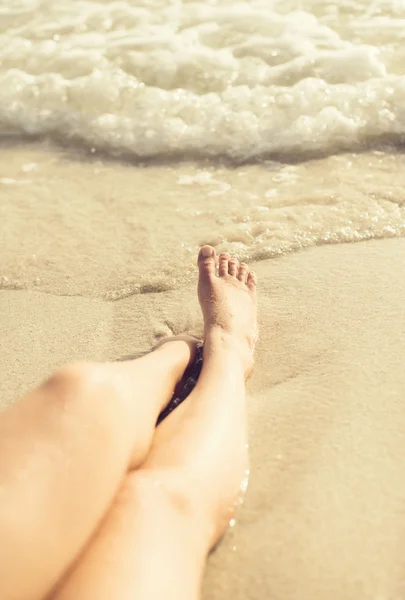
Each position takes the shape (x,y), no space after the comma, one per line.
(82,225)
(324,512)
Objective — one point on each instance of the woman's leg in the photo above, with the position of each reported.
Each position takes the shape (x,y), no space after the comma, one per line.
(154,541)
(64,451)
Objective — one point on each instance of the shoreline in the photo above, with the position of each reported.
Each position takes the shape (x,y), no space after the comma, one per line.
(105,230)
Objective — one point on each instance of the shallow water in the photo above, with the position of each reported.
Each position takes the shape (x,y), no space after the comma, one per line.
(265,127)
(105,229)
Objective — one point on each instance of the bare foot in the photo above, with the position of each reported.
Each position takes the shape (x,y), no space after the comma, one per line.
(228,303)
(200,450)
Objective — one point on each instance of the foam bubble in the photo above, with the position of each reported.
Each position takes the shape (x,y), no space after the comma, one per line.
(160,78)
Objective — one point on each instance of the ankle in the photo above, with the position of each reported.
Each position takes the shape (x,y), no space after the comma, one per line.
(220,342)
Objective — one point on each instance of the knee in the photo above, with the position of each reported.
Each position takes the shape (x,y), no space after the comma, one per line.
(165,487)
(80,378)
(86,397)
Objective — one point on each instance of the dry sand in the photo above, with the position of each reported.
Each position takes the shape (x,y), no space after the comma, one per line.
(324,513)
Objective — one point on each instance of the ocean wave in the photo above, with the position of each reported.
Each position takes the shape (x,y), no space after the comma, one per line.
(164,78)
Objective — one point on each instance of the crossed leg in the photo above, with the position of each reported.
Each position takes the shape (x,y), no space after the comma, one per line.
(172,510)
(80,464)
(64,451)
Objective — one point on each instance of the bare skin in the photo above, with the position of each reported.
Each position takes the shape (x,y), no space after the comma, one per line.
(94,497)
(174,509)
(64,451)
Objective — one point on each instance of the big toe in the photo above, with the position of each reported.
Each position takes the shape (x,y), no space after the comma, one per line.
(207,261)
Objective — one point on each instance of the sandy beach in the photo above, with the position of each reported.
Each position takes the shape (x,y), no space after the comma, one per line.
(323,514)
(132,133)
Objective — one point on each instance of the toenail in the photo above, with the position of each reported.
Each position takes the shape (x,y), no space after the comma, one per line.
(206,252)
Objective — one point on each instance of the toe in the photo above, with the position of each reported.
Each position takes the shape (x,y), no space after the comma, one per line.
(206,260)
(223,264)
(233,266)
(243,272)
(252,281)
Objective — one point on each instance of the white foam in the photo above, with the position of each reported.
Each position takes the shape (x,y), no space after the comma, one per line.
(240,80)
